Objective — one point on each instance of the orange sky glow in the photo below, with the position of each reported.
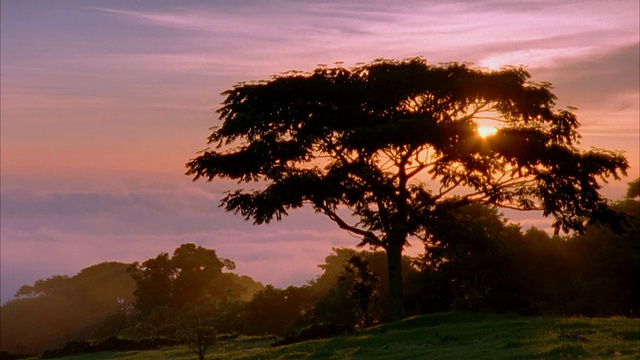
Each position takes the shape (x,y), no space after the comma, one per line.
(103,102)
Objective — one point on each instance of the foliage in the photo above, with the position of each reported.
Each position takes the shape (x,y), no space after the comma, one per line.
(355,298)
(347,293)
(199,337)
(633,190)
(605,266)
(62,308)
(189,276)
(363,289)
(366,139)
(484,264)
(331,269)
(469,253)
(153,282)
(170,291)
(593,274)
(47,287)
(278,311)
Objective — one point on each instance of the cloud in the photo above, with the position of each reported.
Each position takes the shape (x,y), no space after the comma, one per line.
(604,84)
(605,73)
(65,231)
(255,40)
(281,256)
(534,57)
(277,258)
(140,212)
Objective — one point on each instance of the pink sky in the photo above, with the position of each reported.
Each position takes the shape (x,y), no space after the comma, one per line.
(102,103)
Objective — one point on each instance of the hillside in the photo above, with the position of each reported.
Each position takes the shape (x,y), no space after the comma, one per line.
(441,336)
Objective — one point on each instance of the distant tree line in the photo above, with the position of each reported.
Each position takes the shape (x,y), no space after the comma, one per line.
(60,308)
(477,262)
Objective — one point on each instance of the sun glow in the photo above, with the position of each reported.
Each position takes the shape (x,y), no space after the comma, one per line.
(485,131)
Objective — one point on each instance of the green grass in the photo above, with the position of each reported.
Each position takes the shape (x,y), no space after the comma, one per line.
(440,336)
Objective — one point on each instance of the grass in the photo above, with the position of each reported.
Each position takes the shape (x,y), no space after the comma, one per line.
(439,336)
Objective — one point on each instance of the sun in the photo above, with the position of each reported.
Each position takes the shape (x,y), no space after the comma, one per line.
(485,131)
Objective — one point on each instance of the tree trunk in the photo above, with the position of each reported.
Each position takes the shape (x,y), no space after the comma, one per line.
(396,298)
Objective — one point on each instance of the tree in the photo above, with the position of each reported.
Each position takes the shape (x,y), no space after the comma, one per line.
(153,282)
(189,276)
(394,142)
(543,273)
(197,271)
(55,310)
(633,189)
(331,269)
(47,287)
(200,337)
(363,288)
(473,255)
(606,264)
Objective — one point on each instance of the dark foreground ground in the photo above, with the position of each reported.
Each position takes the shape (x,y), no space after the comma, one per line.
(438,336)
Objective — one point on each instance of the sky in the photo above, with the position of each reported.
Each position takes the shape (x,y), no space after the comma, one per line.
(103,102)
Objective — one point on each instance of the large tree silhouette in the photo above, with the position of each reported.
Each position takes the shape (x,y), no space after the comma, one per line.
(393,143)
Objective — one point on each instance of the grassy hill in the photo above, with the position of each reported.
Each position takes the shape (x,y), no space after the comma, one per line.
(440,336)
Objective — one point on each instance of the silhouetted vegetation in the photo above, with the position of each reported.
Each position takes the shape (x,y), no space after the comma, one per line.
(109,344)
(193,275)
(60,309)
(199,337)
(171,291)
(380,129)
(592,274)
(481,264)
(314,332)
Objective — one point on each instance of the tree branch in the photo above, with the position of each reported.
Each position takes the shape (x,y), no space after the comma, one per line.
(367,236)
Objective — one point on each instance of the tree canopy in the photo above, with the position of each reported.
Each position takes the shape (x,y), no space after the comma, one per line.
(396,143)
(633,189)
(60,308)
(191,275)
